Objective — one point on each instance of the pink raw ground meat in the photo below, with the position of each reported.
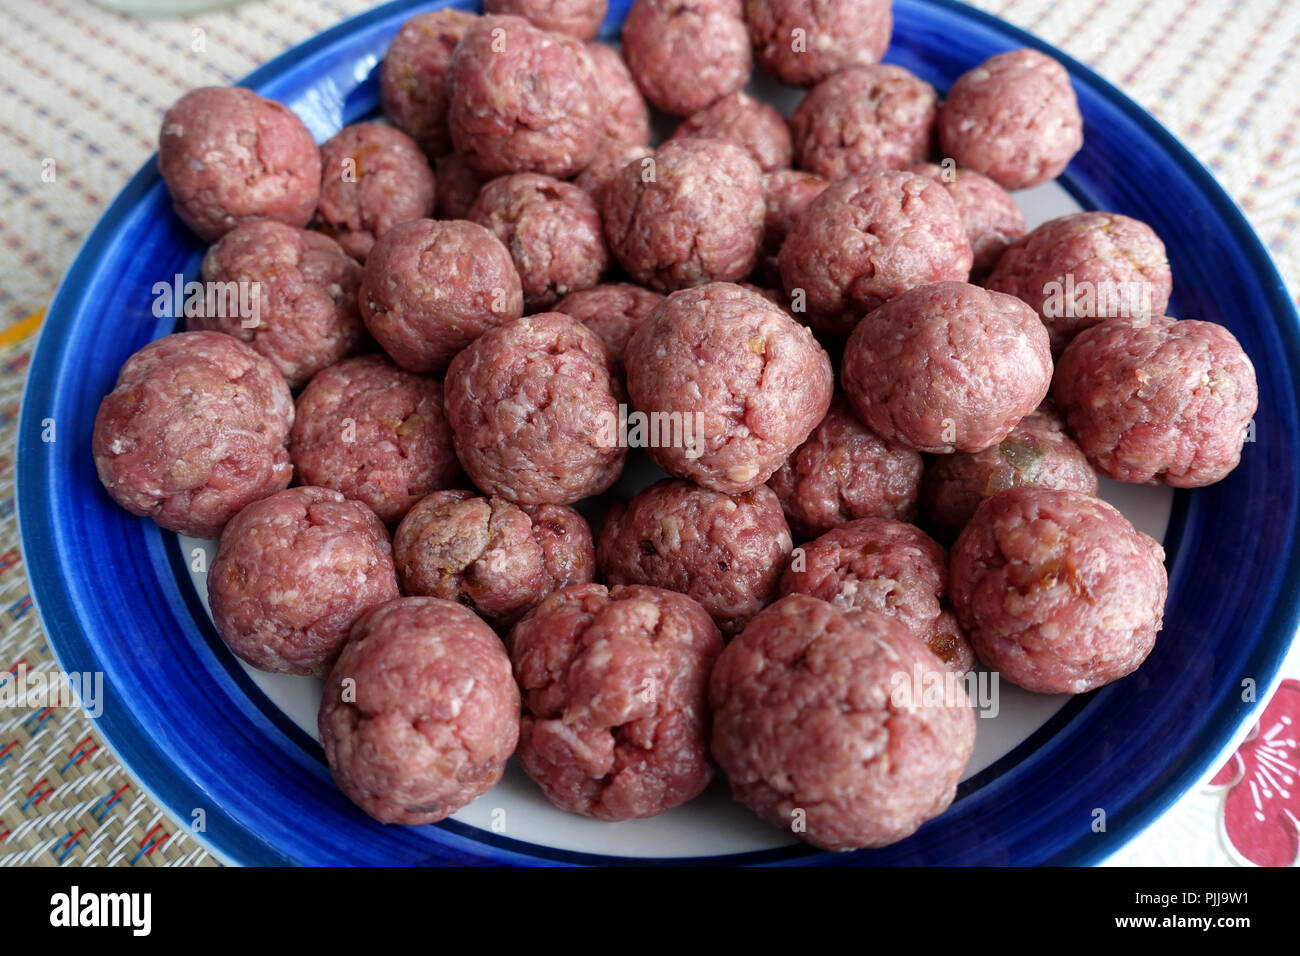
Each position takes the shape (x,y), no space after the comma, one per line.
(458,187)
(613,312)
(801,42)
(611,156)
(685,54)
(992,219)
(625,117)
(738,118)
(579,18)
(413,77)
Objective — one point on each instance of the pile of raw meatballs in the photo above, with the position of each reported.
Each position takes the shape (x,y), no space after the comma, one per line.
(470,312)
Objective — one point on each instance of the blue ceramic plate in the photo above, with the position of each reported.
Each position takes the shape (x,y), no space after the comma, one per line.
(201,733)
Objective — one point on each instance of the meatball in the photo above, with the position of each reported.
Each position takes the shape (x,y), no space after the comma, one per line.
(1058,592)
(809,731)
(429,713)
(867,239)
(523,99)
(613,312)
(685,54)
(372,178)
(738,118)
(496,557)
(625,115)
(1038,452)
(578,18)
(1085,268)
(458,187)
(865,118)
(193,431)
(1166,403)
(694,214)
(304,314)
(293,573)
(431,287)
(229,156)
(553,232)
(725,551)
(615,686)
(748,383)
(376,433)
(845,471)
(889,567)
(1013,118)
(532,411)
(801,42)
(947,367)
(992,219)
(413,86)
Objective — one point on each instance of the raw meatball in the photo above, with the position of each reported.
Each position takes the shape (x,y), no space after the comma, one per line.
(579,18)
(534,105)
(372,178)
(229,156)
(193,431)
(616,686)
(694,215)
(801,42)
(845,471)
(613,312)
(1084,268)
(1058,592)
(807,731)
(496,557)
(1038,452)
(869,238)
(685,54)
(868,117)
(306,316)
(1166,403)
(725,551)
(992,219)
(1013,118)
(376,433)
(891,568)
(625,116)
(532,411)
(292,575)
(430,714)
(740,119)
(553,232)
(458,187)
(431,287)
(413,86)
(611,157)
(947,367)
(748,382)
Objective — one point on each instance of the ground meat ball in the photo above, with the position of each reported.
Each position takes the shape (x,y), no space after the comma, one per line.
(413,77)
(1166,403)
(725,551)
(992,219)
(431,713)
(750,382)
(869,117)
(533,413)
(229,156)
(694,215)
(531,105)
(306,315)
(1013,118)
(376,433)
(833,35)
(494,556)
(458,187)
(869,238)
(193,431)
(553,232)
(1038,452)
(685,54)
(1084,268)
(292,575)
(804,720)
(1059,593)
(625,116)
(889,567)
(947,367)
(740,119)
(578,18)
(845,471)
(372,178)
(616,684)
(430,288)
(613,312)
